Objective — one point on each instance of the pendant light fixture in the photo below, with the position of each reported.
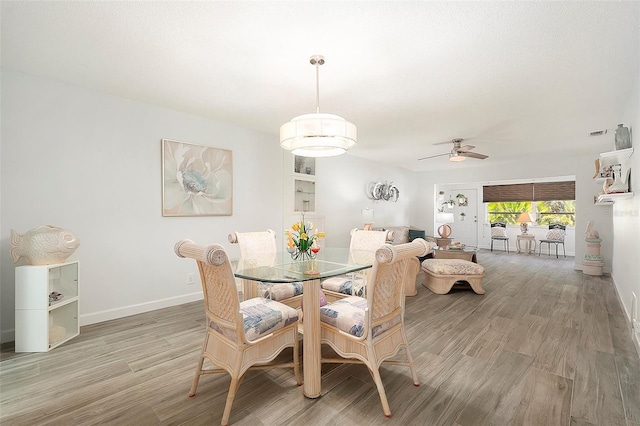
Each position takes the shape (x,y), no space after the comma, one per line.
(318,135)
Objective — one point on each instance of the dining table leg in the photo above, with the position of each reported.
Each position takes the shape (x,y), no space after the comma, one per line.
(311,357)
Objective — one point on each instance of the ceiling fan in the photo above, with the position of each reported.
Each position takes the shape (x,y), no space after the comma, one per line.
(458,153)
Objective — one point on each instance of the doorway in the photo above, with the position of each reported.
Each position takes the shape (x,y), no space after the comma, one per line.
(465,214)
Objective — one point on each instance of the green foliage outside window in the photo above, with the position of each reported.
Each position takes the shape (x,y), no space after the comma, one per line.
(546,212)
(507,212)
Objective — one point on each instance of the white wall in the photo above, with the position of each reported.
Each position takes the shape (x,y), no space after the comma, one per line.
(90,163)
(341,196)
(582,167)
(626,215)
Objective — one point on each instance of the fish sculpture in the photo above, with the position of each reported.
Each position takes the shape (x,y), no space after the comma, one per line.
(44,245)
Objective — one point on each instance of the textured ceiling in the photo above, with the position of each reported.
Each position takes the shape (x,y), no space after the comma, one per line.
(511,77)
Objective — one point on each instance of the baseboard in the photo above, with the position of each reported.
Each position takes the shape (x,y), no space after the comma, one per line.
(138,309)
(7,335)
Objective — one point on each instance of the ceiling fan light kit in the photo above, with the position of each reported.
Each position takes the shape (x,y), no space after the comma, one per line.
(318,135)
(454,156)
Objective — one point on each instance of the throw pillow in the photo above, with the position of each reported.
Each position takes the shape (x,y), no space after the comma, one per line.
(555,234)
(498,231)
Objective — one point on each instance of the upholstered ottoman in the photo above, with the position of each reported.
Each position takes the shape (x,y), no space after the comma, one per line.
(442,274)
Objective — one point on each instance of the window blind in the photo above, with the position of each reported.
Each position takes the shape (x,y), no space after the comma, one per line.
(544,191)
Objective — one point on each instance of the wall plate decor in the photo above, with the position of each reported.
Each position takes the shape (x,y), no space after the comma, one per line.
(197,180)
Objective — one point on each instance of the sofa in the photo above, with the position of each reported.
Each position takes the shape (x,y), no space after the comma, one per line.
(405,234)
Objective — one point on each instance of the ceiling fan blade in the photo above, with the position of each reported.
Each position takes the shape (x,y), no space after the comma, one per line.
(473,155)
(465,148)
(433,156)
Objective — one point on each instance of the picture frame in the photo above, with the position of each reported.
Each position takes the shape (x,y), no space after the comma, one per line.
(197,180)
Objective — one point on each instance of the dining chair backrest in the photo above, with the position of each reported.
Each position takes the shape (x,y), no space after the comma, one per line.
(218,283)
(385,289)
(365,241)
(256,248)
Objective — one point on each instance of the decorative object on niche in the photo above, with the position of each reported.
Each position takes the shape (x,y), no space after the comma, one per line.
(524,220)
(619,181)
(197,180)
(383,191)
(462,200)
(304,165)
(440,195)
(462,216)
(44,245)
(444,218)
(622,137)
(318,135)
(367,218)
(592,263)
(302,240)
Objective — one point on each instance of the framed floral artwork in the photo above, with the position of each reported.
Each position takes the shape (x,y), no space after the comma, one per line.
(197,180)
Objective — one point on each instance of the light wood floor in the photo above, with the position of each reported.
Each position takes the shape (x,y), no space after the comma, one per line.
(546,345)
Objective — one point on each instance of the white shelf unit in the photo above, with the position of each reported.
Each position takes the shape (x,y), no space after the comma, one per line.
(611,158)
(41,324)
(608,199)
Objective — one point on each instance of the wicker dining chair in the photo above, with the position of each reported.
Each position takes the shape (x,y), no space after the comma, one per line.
(259,249)
(371,330)
(240,335)
(354,284)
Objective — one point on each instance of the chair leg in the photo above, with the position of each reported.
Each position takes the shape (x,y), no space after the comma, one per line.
(412,368)
(375,372)
(564,252)
(233,387)
(199,371)
(296,358)
(492,244)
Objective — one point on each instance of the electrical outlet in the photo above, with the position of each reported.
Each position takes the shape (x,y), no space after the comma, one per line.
(190,278)
(636,326)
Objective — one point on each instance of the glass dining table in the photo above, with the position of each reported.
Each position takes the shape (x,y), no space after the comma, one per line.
(281,268)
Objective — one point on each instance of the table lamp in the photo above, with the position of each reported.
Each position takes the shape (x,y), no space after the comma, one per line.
(367,218)
(524,220)
(445,219)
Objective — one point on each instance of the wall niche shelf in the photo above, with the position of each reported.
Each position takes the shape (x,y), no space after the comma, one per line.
(608,159)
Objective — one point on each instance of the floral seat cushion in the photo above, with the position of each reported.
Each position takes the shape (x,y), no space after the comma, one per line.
(344,285)
(279,291)
(260,317)
(452,267)
(348,315)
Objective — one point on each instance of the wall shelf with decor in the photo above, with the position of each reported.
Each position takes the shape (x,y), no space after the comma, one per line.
(46,306)
(304,184)
(607,161)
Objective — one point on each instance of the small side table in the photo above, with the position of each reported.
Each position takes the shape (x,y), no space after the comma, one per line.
(530,241)
(443,243)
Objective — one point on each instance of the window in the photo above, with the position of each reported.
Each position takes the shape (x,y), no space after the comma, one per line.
(547,202)
(544,212)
